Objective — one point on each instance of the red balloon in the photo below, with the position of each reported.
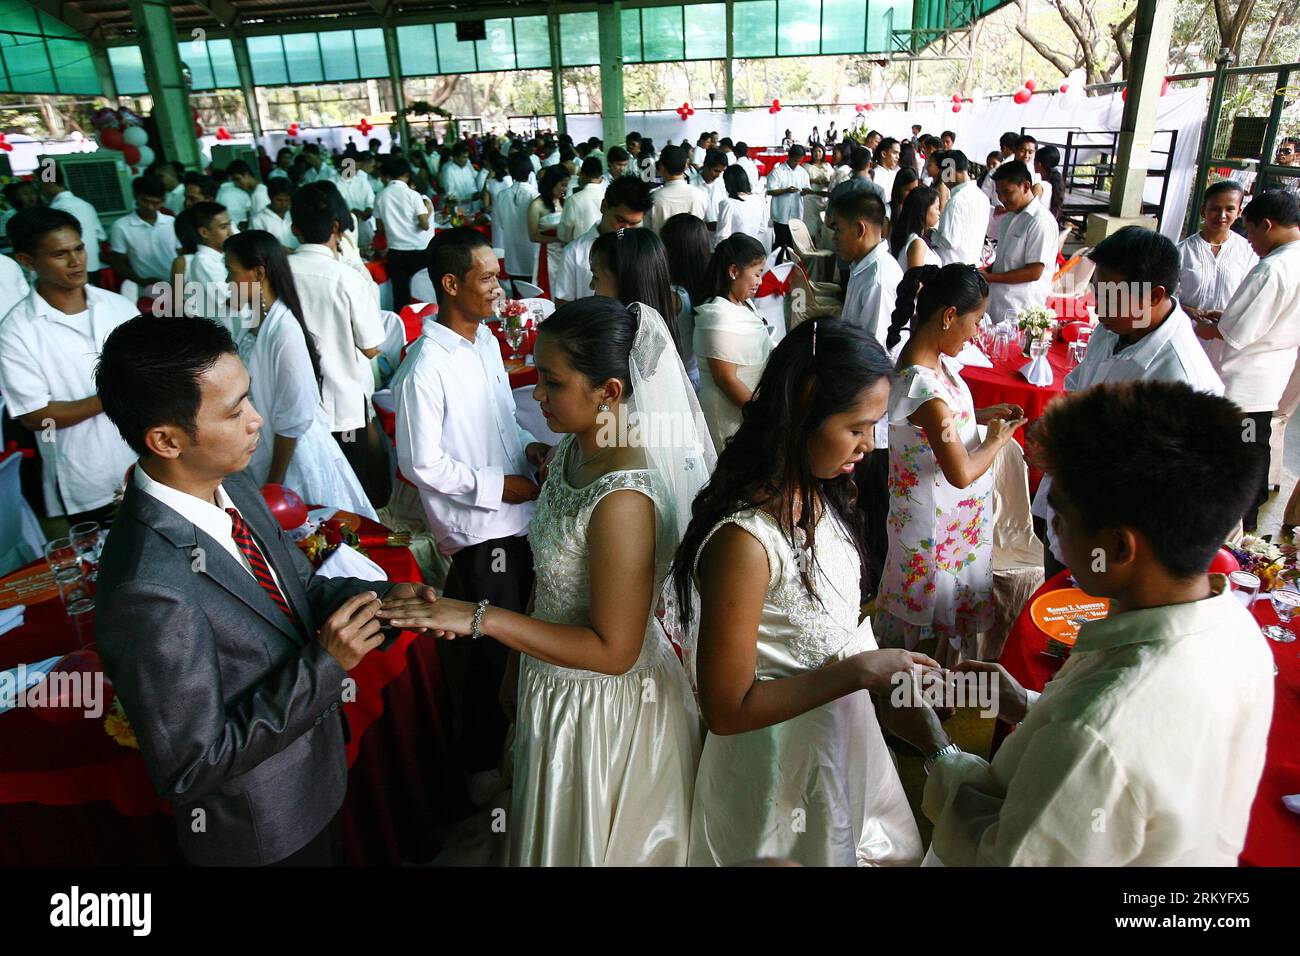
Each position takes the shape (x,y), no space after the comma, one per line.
(63,704)
(1065,87)
(1223,562)
(956,107)
(111,138)
(1022,96)
(1031,85)
(956,97)
(287,506)
(131,154)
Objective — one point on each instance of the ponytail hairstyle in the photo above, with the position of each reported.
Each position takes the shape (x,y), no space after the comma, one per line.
(911,218)
(686,240)
(256,247)
(818,370)
(637,260)
(1049,157)
(957,284)
(737,250)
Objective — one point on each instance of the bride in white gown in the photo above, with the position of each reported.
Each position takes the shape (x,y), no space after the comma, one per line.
(607,734)
(794,765)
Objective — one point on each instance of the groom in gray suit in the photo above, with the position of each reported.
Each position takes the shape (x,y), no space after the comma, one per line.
(229,657)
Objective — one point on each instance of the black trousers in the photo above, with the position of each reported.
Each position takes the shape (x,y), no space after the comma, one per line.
(1263,435)
(364,453)
(781,235)
(500,570)
(402,264)
(872,479)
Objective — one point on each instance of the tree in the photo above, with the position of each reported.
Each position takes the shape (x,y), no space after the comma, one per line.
(1100,51)
(1232,25)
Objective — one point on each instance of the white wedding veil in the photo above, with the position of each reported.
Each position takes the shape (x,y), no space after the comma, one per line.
(664,418)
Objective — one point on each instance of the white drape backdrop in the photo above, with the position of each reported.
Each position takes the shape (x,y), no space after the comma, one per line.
(978,126)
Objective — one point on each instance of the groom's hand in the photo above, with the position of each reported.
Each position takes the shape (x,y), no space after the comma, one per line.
(352,631)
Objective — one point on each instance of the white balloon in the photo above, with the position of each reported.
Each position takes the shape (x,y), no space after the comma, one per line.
(146,156)
(135,136)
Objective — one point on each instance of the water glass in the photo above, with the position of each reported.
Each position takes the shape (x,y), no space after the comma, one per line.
(88,540)
(1245,587)
(1286,600)
(514,331)
(76,590)
(60,554)
(1077,350)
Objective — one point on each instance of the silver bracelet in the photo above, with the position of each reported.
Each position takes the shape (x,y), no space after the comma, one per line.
(478,619)
(938,755)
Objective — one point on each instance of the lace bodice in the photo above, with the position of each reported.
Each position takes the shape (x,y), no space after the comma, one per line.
(797,631)
(558,535)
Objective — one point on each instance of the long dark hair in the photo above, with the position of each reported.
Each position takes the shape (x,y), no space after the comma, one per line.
(256,247)
(1049,157)
(738,250)
(500,169)
(907,155)
(911,218)
(766,462)
(957,284)
(596,334)
(686,240)
(639,264)
(551,177)
(736,181)
(902,180)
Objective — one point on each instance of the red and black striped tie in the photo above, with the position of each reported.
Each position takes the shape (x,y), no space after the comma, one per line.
(244,538)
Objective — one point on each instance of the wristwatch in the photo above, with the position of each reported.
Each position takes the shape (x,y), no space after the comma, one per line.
(938,755)
(478,619)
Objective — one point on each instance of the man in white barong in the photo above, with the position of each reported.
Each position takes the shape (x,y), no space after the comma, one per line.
(458,178)
(1021,273)
(959,237)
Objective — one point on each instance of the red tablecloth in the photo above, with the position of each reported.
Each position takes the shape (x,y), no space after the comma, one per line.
(768,159)
(1273,838)
(62,779)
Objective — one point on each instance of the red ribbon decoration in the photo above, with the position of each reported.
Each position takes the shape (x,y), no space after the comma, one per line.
(771,285)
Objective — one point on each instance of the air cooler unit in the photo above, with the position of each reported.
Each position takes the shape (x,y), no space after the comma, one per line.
(101,178)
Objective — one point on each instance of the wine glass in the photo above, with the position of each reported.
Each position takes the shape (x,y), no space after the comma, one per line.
(1285,600)
(513,328)
(1245,586)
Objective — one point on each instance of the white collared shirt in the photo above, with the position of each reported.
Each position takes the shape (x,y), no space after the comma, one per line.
(459,183)
(745,214)
(326,172)
(884,178)
(1207,281)
(673,197)
(1156,728)
(959,237)
(357,191)
(92,229)
(457,438)
(13,285)
(270,221)
(240,203)
(573,280)
(785,208)
(204,515)
(869,302)
(399,208)
(581,211)
(1024,238)
(1171,353)
(150,248)
(49,356)
(714,192)
(174,203)
(1261,331)
(342,315)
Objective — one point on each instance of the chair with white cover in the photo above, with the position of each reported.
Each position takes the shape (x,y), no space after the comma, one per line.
(422,289)
(817,260)
(21,537)
(804,303)
(1017,552)
(526,290)
(546,306)
(390,349)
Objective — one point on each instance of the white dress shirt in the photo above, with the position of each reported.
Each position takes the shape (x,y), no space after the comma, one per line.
(242,204)
(1171,353)
(282,228)
(785,208)
(869,301)
(150,248)
(174,202)
(1207,281)
(92,228)
(399,208)
(510,212)
(745,214)
(357,191)
(1145,749)
(342,315)
(1024,238)
(206,516)
(13,285)
(751,167)
(884,178)
(959,237)
(1261,331)
(673,197)
(581,211)
(457,438)
(207,290)
(49,356)
(714,192)
(573,281)
(459,183)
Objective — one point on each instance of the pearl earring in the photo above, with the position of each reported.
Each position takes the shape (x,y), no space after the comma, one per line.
(604,407)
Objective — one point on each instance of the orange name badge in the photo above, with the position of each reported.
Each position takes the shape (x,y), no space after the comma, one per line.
(28,586)
(1056,613)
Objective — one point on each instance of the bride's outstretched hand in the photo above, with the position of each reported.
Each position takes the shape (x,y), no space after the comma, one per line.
(879,667)
(443,617)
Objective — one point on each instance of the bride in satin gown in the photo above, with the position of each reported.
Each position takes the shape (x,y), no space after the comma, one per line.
(794,765)
(607,735)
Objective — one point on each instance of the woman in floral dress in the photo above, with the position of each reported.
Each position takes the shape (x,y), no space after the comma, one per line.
(938,578)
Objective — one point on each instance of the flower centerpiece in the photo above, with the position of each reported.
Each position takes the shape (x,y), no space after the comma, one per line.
(321,544)
(1261,558)
(513,309)
(1037,323)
